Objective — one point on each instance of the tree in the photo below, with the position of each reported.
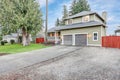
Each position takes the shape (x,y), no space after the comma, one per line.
(24,15)
(73,6)
(57,22)
(65,12)
(65,15)
(79,6)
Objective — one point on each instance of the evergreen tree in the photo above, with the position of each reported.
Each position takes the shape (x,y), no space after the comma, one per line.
(24,15)
(57,22)
(65,15)
(79,6)
(65,12)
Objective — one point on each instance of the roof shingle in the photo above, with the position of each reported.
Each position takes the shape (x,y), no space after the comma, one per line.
(76,25)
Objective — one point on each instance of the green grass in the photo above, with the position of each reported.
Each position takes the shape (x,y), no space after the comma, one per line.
(18,48)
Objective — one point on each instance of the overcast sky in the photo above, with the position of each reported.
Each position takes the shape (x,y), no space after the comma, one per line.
(111,6)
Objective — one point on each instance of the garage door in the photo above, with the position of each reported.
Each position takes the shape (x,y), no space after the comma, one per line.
(81,39)
(67,39)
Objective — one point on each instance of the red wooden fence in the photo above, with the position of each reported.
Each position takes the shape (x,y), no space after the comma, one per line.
(111,41)
(39,40)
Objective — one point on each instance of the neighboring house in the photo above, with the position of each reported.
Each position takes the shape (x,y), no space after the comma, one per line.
(117,32)
(13,36)
(83,29)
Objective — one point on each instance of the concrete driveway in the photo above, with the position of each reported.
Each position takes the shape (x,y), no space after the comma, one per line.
(14,62)
(85,63)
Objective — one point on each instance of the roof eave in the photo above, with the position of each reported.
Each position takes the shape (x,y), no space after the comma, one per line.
(82,27)
(78,16)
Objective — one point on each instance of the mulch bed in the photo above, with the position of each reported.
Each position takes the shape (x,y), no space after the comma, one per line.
(2,54)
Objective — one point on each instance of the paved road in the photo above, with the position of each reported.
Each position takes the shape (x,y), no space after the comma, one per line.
(14,62)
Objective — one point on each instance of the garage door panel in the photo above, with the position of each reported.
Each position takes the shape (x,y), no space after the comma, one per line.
(67,39)
(81,39)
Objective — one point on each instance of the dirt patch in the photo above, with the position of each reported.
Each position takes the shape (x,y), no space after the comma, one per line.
(2,54)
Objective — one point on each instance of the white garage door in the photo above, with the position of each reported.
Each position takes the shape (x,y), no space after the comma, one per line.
(68,39)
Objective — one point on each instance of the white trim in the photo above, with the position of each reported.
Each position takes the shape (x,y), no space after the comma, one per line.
(55,38)
(101,34)
(73,36)
(101,31)
(94,45)
(93,36)
(94,18)
(62,40)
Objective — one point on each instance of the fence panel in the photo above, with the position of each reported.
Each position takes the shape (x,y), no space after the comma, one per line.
(39,40)
(111,41)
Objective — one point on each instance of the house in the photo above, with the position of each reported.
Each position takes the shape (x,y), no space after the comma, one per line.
(12,36)
(83,29)
(117,32)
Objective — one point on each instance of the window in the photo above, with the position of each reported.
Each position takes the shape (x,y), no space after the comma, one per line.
(95,36)
(86,18)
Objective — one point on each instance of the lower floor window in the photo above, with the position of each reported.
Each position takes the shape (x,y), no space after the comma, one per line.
(95,36)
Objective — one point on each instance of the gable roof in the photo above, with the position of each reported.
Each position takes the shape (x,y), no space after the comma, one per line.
(118,30)
(83,13)
(52,29)
(76,25)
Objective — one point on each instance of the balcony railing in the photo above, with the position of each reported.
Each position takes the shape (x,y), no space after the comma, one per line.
(52,39)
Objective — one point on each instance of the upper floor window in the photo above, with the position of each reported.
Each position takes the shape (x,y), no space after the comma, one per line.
(70,21)
(86,18)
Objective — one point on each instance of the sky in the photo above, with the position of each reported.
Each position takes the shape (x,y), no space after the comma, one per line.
(112,7)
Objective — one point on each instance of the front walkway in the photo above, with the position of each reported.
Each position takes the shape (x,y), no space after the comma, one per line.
(14,62)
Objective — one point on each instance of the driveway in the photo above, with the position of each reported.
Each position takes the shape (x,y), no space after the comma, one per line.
(86,63)
(14,62)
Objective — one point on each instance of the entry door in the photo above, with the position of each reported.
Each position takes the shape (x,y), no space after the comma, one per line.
(81,39)
(68,40)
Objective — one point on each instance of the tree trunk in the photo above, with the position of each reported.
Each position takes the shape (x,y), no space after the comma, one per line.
(25,37)
(28,39)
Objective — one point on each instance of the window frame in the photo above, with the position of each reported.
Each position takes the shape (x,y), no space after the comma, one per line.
(94,36)
(83,18)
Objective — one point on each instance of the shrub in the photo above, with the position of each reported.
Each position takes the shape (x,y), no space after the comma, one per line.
(2,43)
(12,41)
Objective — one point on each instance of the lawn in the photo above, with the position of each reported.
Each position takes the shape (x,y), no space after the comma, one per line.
(17,48)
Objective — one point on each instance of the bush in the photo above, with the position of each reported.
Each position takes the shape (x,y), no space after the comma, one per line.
(2,43)
(12,41)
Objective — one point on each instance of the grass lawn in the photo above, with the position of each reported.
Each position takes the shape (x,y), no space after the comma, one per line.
(17,48)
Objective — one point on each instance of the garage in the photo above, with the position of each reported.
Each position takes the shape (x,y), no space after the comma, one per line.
(68,40)
(81,39)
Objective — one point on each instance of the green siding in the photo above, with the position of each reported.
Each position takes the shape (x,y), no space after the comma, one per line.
(77,20)
(103,30)
(92,17)
(88,30)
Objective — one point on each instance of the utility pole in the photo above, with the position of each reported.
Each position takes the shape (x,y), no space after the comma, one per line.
(46,25)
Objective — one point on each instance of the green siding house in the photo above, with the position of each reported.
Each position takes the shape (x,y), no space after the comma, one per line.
(83,29)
